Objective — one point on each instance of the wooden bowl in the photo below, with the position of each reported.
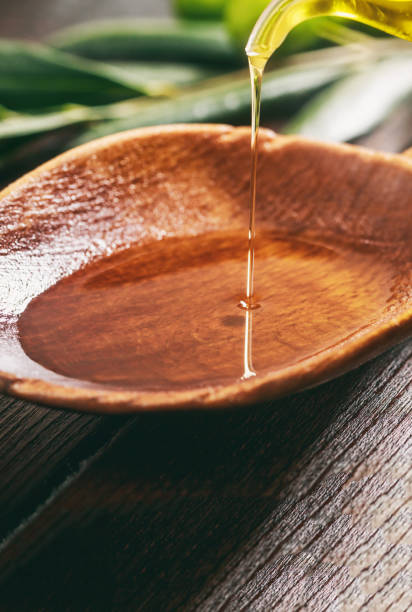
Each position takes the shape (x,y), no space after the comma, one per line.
(123,261)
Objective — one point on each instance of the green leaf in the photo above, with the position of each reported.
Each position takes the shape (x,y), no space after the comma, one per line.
(223,98)
(199,9)
(167,40)
(228,98)
(162,76)
(5,113)
(358,103)
(19,125)
(34,76)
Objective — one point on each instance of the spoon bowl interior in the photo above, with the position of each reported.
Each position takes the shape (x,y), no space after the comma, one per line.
(124,262)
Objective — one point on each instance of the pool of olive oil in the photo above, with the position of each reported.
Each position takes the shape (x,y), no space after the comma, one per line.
(142,319)
(271,29)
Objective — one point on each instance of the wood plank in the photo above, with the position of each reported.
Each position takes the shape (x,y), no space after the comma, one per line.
(39,450)
(297,504)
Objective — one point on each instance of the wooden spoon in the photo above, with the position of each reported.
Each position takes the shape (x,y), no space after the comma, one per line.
(123,263)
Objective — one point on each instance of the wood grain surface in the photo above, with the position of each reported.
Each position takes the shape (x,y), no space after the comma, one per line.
(301,503)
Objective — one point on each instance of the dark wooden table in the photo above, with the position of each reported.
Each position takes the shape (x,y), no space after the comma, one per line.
(301,503)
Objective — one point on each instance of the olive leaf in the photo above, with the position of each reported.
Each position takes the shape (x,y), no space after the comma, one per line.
(222,98)
(228,98)
(137,39)
(36,76)
(5,113)
(18,125)
(358,103)
(164,77)
(225,98)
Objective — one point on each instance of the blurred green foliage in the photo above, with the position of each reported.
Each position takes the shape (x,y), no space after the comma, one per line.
(240,17)
(200,9)
(101,77)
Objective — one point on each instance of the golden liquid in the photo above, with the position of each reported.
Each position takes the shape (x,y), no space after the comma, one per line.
(281,16)
(275,23)
(143,318)
(256,81)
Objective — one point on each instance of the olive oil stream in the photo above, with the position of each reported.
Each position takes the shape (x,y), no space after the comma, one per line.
(275,23)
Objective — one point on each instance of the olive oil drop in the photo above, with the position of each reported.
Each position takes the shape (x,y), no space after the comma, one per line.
(275,23)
